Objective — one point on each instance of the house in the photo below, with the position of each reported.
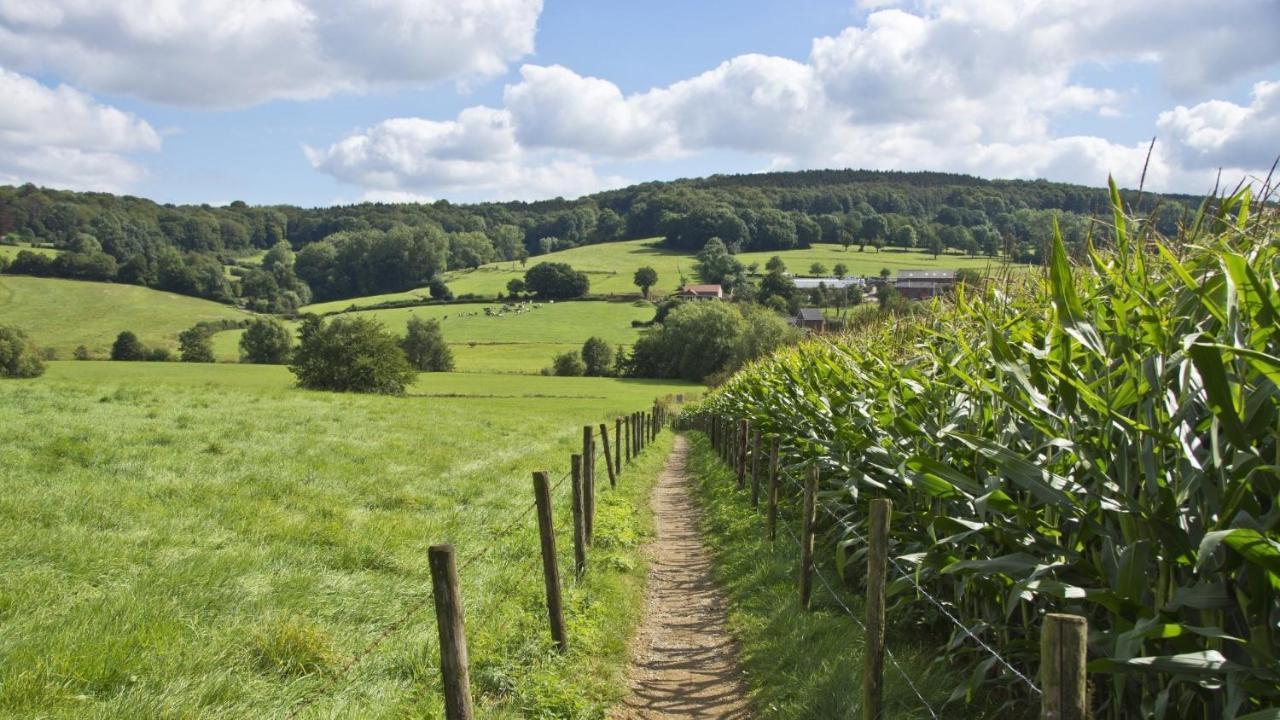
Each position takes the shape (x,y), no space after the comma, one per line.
(811,319)
(701,292)
(924,284)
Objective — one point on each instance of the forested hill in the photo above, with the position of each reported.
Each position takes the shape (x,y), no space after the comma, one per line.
(352,250)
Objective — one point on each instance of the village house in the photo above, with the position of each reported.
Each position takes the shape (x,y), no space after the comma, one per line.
(811,319)
(701,292)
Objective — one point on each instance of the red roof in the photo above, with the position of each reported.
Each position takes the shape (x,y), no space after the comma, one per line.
(702,290)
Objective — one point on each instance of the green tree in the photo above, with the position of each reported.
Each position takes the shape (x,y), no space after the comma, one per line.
(515,287)
(885,273)
(350,355)
(873,230)
(597,357)
(935,246)
(696,340)
(776,283)
(904,237)
(196,345)
(424,346)
(645,278)
(817,269)
(128,347)
(568,364)
(840,270)
(556,281)
(775,264)
(266,342)
(717,265)
(19,357)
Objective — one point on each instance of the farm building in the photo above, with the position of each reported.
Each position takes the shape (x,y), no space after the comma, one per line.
(832,283)
(922,284)
(701,292)
(811,319)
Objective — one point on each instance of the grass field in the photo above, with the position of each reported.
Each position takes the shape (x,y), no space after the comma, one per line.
(206,541)
(11,251)
(610,267)
(520,343)
(62,314)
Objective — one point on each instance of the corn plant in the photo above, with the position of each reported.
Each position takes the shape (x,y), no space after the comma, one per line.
(1100,441)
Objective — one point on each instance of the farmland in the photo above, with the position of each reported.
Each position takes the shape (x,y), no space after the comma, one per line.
(63,314)
(610,267)
(11,251)
(223,555)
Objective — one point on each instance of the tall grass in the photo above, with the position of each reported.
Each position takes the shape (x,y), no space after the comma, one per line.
(1100,442)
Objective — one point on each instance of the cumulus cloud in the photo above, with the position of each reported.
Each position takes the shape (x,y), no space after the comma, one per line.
(62,137)
(964,85)
(233,53)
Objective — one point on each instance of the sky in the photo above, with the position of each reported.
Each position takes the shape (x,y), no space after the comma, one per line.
(322,102)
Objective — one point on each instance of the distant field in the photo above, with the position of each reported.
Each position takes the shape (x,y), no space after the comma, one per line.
(610,266)
(206,541)
(62,314)
(513,343)
(11,251)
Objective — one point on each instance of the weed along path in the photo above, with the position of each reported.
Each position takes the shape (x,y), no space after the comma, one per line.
(684,661)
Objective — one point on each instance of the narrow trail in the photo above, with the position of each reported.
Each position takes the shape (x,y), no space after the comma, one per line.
(684,661)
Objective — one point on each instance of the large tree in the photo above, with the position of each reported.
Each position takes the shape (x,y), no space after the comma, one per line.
(556,281)
(267,342)
(645,278)
(350,355)
(424,346)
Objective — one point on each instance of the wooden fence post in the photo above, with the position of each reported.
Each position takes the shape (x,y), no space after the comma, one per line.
(579,522)
(806,538)
(773,491)
(877,567)
(626,420)
(608,456)
(456,677)
(588,483)
(755,468)
(617,442)
(550,565)
(1064,641)
(742,454)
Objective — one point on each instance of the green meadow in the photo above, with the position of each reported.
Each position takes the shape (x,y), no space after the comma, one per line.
(63,314)
(11,251)
(227,555)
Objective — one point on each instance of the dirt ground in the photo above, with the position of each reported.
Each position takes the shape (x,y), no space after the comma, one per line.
(684,661)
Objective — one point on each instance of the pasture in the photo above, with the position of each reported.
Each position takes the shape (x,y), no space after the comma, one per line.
(610,266)
(10,252)
(63,314)
(226,555)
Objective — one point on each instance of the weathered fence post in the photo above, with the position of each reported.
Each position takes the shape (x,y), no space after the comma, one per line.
(617,450)
(588,482)
(550,565)
(608,456)
(579,522)
(806,538)
(1064,641)
(455,675)
(626,420)
(755,468)
(742,454)
(773,490)
(877,559)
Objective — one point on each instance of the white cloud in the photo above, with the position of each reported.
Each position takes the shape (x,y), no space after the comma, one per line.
(478,152)
(64,138)
(974,86)
(232,53)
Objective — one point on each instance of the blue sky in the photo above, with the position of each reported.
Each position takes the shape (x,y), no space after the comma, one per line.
(314,102)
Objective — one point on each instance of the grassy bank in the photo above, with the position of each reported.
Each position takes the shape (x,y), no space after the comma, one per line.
(206,541)
(798,664)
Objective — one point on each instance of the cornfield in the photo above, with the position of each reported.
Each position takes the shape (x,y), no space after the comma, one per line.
(1101,441)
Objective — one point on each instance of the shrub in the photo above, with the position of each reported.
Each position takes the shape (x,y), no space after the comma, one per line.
(82,353)
(425,348)
(597,357)
(158,355)
(196,345)
(568,364)
(439,291)
(128,347)
(266,342)
(350,355)
(515,286)
(19,357)
(556,281)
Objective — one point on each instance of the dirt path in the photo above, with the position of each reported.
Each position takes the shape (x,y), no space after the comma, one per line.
(684,662)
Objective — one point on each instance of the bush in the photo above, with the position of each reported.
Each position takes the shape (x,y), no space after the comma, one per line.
(556,281)
(19,357)
(266,342)
(597,357)
(196,345)
(128,347)
(158,355)
(350,355)
(700,340)
(568,365)
(82,353)
(439,291)
(425,348)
